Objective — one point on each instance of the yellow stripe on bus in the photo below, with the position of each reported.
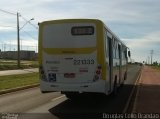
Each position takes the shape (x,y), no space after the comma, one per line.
(69,50)
(101,48)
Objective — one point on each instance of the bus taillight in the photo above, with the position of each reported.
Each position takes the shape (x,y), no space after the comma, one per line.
(42,74)
(97,73)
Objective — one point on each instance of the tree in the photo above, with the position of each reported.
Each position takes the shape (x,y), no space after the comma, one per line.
(155,63)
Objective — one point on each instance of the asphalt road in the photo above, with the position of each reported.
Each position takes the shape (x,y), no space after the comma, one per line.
(30,103)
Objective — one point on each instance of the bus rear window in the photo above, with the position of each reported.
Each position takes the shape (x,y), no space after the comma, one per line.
(82,30)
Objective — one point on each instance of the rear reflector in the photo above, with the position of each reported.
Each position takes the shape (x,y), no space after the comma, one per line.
(97,73)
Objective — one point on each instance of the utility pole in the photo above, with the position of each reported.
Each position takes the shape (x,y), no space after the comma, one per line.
(148,60)
(18,42)
(151,56)
(18,38)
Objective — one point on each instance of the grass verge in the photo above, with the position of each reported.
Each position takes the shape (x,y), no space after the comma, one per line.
(20,80)
(12,64)
(156,67)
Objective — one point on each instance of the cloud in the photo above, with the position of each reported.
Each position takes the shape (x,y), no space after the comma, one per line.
(150,40)
(25,44)
(141,47)
(6,29)
(134,21)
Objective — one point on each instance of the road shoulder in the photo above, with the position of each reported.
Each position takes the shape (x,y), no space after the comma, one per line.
(148,94)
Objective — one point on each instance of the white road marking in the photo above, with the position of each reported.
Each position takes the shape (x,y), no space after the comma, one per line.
(54,99)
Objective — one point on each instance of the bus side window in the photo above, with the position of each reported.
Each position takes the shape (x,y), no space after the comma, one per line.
(114,48)
(124,53)
(117,51)
(106,44)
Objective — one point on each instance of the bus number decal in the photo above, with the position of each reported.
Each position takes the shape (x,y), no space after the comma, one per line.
(88,61)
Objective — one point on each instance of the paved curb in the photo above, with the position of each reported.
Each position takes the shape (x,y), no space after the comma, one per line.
(18,89)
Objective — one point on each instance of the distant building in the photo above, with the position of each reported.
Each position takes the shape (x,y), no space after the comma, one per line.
(24,55)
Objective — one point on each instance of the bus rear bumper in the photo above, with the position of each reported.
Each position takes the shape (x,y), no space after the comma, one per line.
(97,87)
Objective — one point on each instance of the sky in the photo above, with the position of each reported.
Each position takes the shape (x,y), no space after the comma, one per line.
(135,22)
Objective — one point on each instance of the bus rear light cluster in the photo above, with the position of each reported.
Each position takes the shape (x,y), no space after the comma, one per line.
(97,73)
(42,74)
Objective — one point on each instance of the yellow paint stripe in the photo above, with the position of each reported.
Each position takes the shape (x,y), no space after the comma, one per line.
(101,48)
(62,51)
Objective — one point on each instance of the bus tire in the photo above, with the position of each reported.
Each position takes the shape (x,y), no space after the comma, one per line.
(115,88)
(125,76)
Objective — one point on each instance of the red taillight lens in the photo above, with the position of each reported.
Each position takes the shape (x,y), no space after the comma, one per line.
(42,74)
(98,72)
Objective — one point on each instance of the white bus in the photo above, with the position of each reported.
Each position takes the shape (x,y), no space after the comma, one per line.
(80,55)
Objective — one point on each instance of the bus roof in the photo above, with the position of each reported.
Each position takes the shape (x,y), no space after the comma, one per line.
(70,21)
(81,20)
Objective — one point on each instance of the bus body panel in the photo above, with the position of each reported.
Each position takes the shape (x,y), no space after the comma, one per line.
(96,87)
(74,56)
(70,68)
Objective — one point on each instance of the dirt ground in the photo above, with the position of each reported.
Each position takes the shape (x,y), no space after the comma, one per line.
(148,95)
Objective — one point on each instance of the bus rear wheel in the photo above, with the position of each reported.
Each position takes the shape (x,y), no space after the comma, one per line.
(115,88)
